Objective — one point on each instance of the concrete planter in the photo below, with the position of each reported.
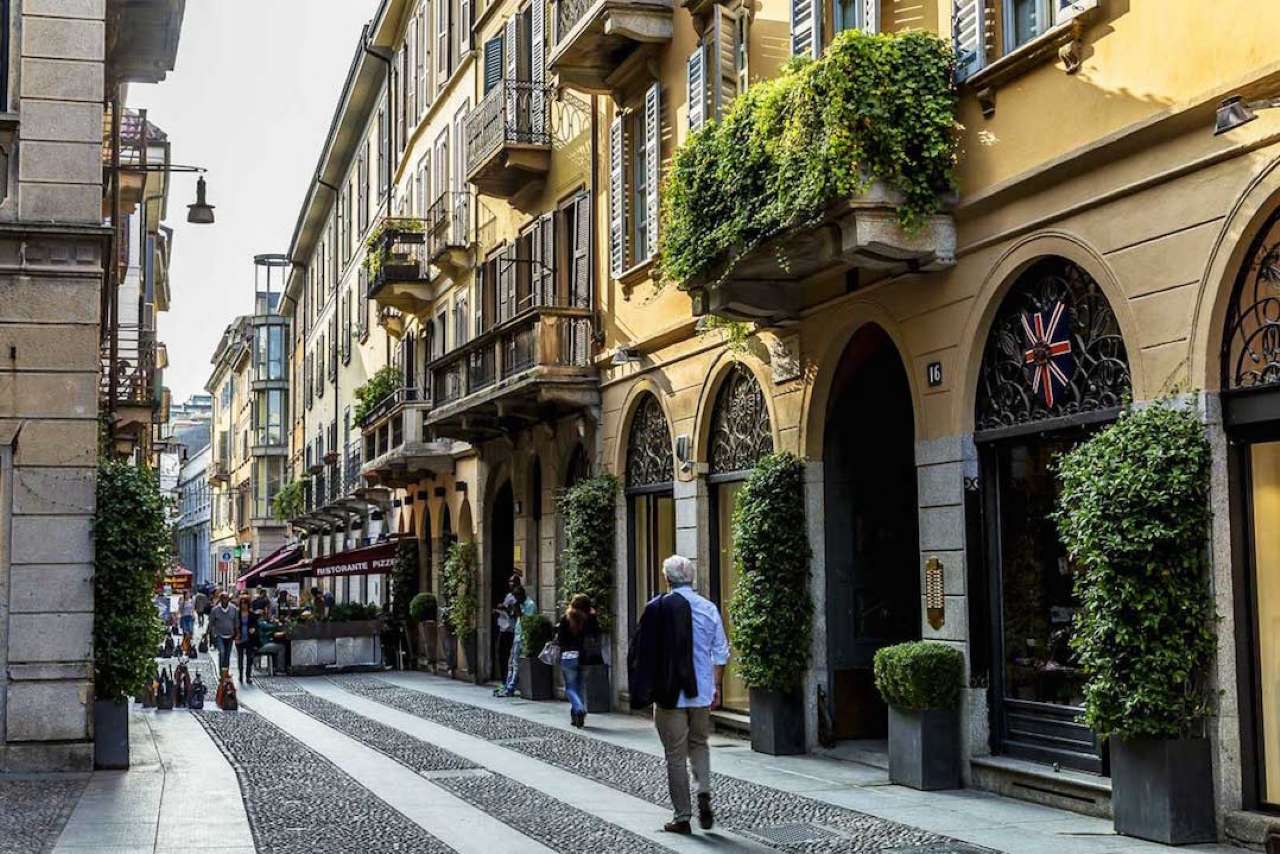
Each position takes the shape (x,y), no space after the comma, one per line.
(320,647)
(1162,789)
(596,690)
(924,748)
(536,680)
(111,734)
(777,722)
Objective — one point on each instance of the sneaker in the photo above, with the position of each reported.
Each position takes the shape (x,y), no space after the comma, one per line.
(706,818)
(681,827)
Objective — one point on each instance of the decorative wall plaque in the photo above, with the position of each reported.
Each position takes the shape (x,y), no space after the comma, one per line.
(935,599)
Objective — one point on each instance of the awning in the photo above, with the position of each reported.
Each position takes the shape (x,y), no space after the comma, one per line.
(279,557)
(370,560)
(301,567)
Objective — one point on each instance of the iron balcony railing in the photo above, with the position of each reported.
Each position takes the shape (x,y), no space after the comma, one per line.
(399,253)
(137,366)
(514,112)
(352,461)
(448,222)
(569,13)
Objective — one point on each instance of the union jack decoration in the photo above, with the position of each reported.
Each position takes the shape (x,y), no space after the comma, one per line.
(1048,355)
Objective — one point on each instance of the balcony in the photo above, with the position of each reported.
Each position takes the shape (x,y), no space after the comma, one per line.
(532,368)
(596,37)
(397,451)
(397,265)
(449,243)
(219,472)
(137,392)
(509,141)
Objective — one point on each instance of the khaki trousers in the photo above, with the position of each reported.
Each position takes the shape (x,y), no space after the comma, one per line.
(684,739)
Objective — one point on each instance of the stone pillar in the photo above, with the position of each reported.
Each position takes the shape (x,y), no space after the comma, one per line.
(817,673)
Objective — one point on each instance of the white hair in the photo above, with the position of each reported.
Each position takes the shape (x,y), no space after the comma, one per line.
(678,569)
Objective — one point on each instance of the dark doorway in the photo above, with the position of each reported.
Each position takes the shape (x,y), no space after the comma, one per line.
(500,567)
(872,534)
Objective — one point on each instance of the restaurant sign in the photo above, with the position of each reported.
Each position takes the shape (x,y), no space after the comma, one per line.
(372,560)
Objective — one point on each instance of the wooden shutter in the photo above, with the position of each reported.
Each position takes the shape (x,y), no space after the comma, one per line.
(424,61)
(697,88)
(653,159)
(537,67)
(722,66)
(806,28)
(492,63)
(464,28)
(617,200)
(511,42)
(871,16)
(580,286)
(506,283)
(544,255)
(969,27)
(442,42)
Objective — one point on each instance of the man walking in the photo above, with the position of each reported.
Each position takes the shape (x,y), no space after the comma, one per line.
(222,624)
(201,603)
(677,662)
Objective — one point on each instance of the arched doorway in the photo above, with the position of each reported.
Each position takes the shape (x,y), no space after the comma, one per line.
(1054,370)
(502,547)
(651,512)
(871,529)
(1251,415)
(740,435)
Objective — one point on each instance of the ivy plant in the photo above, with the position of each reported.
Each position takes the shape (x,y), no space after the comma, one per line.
(386,382)
(589,509)
(875,107)
(771,610)
(458,590)
(1134,516)
(289,500)
(375,252)
(404,581)
(131,553)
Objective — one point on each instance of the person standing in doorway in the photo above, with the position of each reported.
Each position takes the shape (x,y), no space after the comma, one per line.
(677,662)
(579,637)
(222,624)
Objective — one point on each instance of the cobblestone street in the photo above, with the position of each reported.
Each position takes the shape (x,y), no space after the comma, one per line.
(409,762)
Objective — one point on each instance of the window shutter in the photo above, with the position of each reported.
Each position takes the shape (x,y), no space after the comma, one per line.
(464,34)
(1065,10)
(871,16)
(969,27)
(723,69)
(697,89)
(537,70)
(442,42)
(506,283)
(510,43)
(617,201)
(492,63)
(653,159)
(424,61)
(806,32)
(580,287)
(546,294)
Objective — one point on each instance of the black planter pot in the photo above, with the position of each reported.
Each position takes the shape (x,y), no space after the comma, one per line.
(924,748)
(777,722)
(111,734)
(1162,790)
(470,659)
(536,681)
(596,691)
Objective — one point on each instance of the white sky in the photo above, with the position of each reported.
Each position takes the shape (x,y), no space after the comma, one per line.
(251,98)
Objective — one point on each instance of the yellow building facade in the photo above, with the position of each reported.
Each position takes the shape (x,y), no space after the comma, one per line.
(515,289)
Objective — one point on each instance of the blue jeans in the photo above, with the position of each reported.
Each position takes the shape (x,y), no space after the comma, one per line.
(224,653)
(513,665)
(188,624)
(572,672)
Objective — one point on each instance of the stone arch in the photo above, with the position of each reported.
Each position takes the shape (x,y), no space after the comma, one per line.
(635,397)
(726,368)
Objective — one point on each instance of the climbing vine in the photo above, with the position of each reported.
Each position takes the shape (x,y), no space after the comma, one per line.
(458,589)
(589,508)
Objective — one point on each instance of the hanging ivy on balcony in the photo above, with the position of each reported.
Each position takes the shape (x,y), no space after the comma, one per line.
(289,500)
(875,107)
(374,252)
(387,381)
(589,509)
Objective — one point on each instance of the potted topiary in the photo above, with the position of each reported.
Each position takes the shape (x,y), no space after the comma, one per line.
(589,509)
(423,610)
(458,588)
(921,682)
(770,609)
(536,678)
(1134,516)
(131,548)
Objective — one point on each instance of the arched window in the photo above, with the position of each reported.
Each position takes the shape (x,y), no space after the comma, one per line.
(1251,344)
(1054,350)
(651,511)
(649,458)
(740,430)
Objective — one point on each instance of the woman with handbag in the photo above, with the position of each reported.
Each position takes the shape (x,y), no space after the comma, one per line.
(578,636)
(246,639)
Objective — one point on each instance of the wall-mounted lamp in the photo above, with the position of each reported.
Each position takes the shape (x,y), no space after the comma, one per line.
(624,356)
(1235,112)
(682,452)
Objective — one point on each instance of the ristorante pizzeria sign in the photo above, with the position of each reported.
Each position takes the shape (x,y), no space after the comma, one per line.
(372,560)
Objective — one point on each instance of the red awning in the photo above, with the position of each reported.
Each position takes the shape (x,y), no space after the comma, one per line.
(370,560)
(279,557)
(300,567)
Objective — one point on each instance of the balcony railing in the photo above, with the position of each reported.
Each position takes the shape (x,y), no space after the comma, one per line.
(595,37)
(509,137)
(352,460)
(397,447)
(449,230)
(137,365)
(398,256)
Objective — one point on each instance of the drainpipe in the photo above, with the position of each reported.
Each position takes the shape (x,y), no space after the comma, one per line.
(390,155)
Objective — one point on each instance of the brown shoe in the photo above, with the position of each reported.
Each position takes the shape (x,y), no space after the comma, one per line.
(681,827)
(706,818)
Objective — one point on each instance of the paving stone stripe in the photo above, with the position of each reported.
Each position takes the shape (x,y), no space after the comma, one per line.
(298,801)
(529,811)
(750,809)
(34,811)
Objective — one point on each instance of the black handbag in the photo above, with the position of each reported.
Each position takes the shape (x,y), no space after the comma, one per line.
(164,693)
(203,646)
(198,689)
(168,647)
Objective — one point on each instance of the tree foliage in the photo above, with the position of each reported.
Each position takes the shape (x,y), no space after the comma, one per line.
(771,609)
(131,553)
(919,675)
(289,499)
(1134,517)
(589,509)
(874,107)
(458,590)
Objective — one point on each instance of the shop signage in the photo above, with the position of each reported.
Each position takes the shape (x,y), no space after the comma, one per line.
(373,560)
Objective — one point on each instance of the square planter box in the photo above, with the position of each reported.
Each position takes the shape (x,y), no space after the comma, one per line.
(924,748)
(111,734)
(1162,790)
(595,688)
(777,722)
(536,682)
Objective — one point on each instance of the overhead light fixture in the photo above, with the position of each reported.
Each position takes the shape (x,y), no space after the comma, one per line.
(1236,111)
(625,356)
(200,213)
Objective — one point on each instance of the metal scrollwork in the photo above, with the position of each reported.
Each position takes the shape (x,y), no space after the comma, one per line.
(1251,346)
(740,431)
(650,461)
(1100,377)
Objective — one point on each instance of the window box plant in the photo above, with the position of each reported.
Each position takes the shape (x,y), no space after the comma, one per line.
(1134,516)
(771,608)
(536,678)
(921,682)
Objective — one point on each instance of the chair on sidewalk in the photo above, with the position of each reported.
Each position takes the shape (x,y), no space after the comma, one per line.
(273,653)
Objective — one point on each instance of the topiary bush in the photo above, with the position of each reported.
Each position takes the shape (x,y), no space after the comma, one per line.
(771,610)
(458,589)
(537,631)
(589,508)
(919,675)
(423,607)
(131,553)
(874,107)
(1134,517)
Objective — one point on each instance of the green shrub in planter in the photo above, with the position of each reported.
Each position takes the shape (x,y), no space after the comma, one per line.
(920,675)
(458,589)
(352,612)
(589,509)
(423,607)
(537,630)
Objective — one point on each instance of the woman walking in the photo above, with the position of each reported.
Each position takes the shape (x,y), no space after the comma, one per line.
(246,639)
(579,637)
(187,618)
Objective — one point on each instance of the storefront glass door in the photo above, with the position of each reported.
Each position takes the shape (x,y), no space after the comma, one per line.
(1265,476)
(736,696)
(653,517)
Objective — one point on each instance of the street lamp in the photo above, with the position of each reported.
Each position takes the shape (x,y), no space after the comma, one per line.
(200,213)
